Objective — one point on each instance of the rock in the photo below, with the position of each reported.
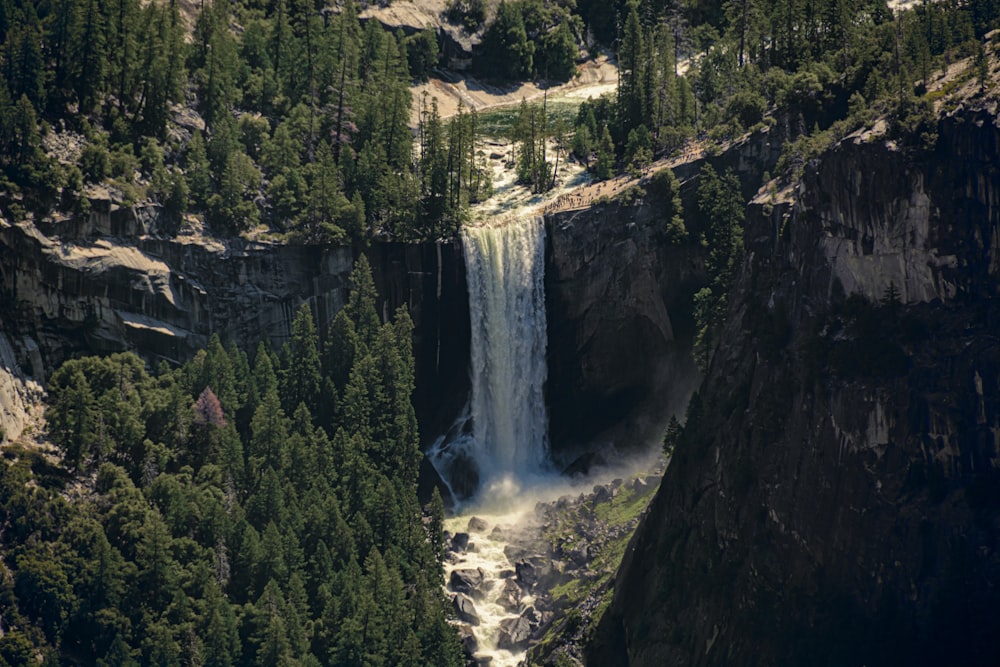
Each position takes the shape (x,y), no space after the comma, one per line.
(460,542)
(465,609)
(507,574)
(468,638)
(118,281)
(466,581)
(498,534)
(477,525)
(527,576)
(510,596)
(514,634)
(579,556)
(868,226)
(603,493)
(532,616)
(613,295)
(640,485)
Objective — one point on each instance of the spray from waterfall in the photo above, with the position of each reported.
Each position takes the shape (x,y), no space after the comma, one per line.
(501,439)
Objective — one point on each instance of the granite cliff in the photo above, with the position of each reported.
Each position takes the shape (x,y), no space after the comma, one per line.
(619,301)
(834,498)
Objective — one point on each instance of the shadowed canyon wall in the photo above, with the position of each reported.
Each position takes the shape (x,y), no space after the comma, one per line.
(834,499)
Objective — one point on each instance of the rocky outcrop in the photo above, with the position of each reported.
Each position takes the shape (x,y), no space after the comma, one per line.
(17,394)
(618,298)
(161,297)
(834,498)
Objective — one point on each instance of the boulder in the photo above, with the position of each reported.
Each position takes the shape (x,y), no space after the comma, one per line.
(527,576)
(477,525)
(532,616)
(467,581)
(533,570)
(603,493)
(468,639)
(579,555)
(510,596)
(460,542)
(514,634)
(465,609)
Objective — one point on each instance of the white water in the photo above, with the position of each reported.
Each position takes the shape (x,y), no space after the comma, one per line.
(489,556)
(502,437)
(504,430)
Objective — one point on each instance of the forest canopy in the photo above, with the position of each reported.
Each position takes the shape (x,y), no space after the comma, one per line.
(236,510)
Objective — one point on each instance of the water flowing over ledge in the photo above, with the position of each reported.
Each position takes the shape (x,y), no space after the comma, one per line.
(502,436)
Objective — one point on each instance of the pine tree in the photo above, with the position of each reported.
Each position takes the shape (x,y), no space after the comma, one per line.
(506,52)
(268,435)
(360,307)
(631,68)
(301,376)
(604,166)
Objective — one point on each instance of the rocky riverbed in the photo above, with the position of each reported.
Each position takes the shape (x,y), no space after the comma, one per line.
(532,574)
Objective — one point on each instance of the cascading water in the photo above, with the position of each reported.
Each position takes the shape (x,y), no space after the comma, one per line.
(500,443)
(502,437)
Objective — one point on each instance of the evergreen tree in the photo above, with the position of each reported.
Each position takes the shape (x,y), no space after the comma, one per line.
(631,96)
(360,307)
(604,166)
(506,52)
(301,376)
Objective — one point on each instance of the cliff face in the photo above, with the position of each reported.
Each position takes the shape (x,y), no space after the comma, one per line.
(112,283)
(98,293)
(835,499)
(429,279)
(618,297)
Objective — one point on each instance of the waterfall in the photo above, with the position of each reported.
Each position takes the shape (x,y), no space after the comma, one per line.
(502,436)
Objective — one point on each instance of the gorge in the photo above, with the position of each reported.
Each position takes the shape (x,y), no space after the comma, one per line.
(891,437)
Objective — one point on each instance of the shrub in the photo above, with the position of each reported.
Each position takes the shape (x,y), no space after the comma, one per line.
(95,163)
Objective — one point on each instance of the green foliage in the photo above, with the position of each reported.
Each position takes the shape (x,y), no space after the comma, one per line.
(672,435)
(720,211)
(221,531)
(604,166)
(666,190)
(305,113)
(470,13)
(506,54)
(529,39)
(915,123)
(95,162)
(421,53)
(638,149)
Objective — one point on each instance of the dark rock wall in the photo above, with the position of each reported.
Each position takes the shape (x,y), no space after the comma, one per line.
(836,500)
(429,279)
(618,301)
